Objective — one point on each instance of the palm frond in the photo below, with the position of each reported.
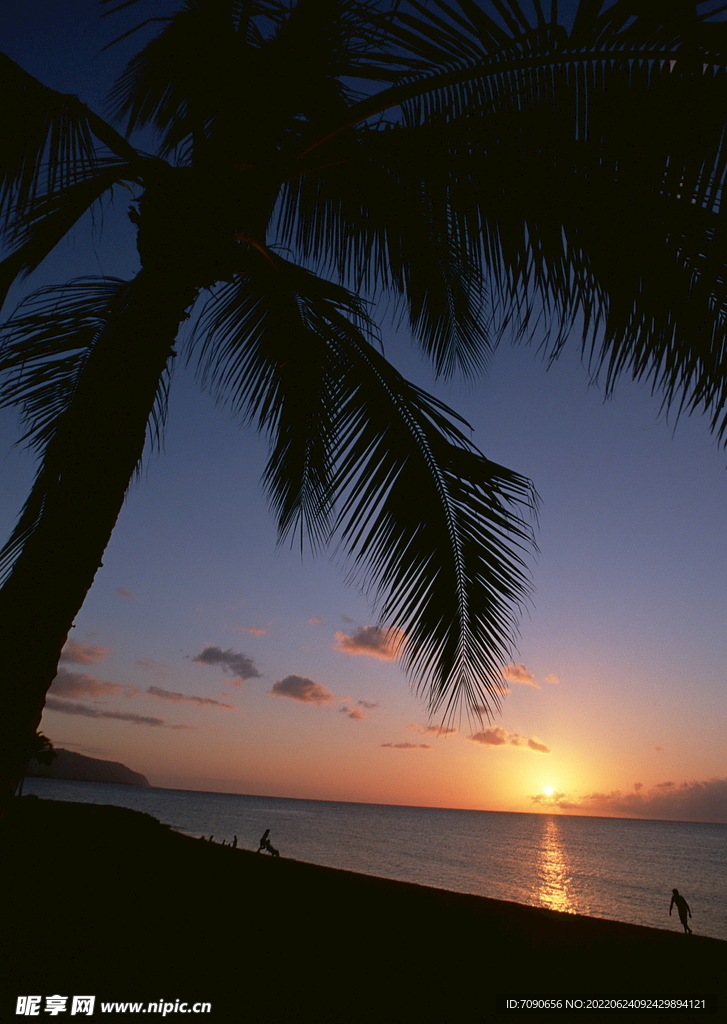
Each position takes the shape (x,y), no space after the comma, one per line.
(50,140)
(259,350)
(578,167)
(45,138)
(388,216)
(453,580)
(45,221)
(217,98)
(352,443)
(47,366)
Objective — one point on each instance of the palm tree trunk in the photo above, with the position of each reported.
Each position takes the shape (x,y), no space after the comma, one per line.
(56,567)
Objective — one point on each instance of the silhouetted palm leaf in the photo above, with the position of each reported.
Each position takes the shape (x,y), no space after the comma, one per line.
(624,103)
(353,441)
(47,351)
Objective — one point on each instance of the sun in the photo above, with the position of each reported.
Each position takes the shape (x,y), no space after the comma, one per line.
(548,790)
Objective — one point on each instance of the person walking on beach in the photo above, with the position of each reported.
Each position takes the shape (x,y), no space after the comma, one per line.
(264,841)
(683,908)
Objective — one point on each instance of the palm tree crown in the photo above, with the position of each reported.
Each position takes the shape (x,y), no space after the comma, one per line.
(475,166)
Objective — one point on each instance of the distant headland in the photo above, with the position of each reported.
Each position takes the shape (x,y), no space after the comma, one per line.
(78,768)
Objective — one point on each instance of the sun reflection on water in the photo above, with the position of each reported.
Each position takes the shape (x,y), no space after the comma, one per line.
(553,877)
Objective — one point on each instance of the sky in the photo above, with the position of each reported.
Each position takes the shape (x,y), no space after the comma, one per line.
(208,657)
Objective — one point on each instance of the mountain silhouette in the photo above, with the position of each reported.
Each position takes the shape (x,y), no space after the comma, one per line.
(80,768)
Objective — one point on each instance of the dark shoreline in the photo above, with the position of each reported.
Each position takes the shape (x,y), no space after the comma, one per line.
(106,901)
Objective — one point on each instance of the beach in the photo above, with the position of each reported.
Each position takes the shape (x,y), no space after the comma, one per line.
(106,901)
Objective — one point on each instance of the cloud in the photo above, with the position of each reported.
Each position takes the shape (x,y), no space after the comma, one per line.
(304,690)
(68,708)
(372,641)
(553,799)
(552,679)
(157,691)
(408,746)
(157,668)
(80,684)
(84,654)
(491,737)
(519,674)
(497,737)
(355,713)
(232,662)
(435,730)
(315,621)
(251,629)
(126,594)
(690,801)
(358,713)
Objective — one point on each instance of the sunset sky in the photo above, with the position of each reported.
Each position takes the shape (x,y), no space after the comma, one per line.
(206,657)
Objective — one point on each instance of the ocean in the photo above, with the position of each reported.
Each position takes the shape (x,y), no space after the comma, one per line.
(622,869)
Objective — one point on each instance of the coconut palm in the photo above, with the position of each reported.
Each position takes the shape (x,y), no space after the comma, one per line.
(40,749)
(475,166)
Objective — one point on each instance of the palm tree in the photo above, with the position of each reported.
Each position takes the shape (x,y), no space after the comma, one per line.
(479,166)
(40,749)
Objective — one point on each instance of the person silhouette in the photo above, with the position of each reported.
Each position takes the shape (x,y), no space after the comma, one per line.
(683,908)
(234,843)
(264,841)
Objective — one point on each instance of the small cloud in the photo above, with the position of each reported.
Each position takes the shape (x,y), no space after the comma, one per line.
(126,594)
(251,629)
(355,713)
(434,730)
(372,641)
(67,708)
(497,737)
(407,746)
(80,684)
(519,674)
(232,662)
(158,669)
(483,711)
(553,799)
(84,654)
(157,691)
(638,786)
(304,690)
(492,737)
(664,785)
(368,704)
(315,621)
(552,679)
(658,748)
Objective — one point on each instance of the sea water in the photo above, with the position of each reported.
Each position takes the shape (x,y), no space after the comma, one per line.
(623,869)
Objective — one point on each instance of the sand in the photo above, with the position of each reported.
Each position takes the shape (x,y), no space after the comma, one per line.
(106,901)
